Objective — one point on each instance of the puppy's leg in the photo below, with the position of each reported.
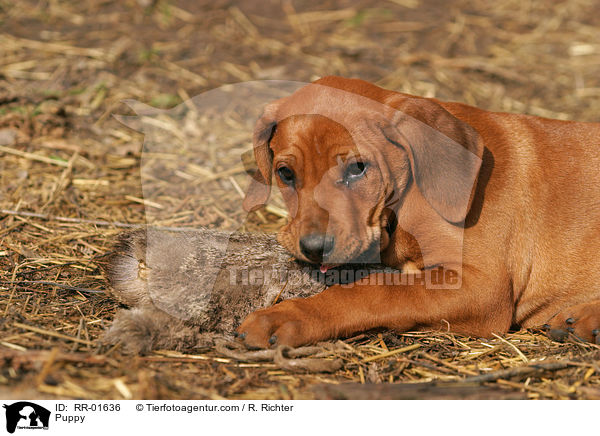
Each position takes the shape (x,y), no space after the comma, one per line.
(477,308)
(583,320)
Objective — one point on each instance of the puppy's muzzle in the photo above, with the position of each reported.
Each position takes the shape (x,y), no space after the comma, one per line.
(317,246)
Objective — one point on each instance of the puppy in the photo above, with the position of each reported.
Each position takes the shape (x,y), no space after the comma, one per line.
(492,219)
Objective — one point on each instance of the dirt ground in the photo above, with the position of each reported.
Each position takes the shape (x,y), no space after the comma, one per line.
(70,176)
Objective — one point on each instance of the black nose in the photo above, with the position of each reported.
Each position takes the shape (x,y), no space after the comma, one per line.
(316,246)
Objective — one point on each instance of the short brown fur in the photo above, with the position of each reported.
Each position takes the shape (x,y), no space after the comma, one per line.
(528,209)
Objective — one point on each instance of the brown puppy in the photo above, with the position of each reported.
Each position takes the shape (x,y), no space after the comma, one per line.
(493,218)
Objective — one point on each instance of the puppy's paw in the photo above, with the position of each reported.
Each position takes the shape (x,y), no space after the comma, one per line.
(291,322)
(582,320)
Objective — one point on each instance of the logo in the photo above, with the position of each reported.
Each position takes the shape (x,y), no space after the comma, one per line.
(26,415)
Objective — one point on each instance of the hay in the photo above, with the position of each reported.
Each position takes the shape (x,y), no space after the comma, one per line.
(70,174)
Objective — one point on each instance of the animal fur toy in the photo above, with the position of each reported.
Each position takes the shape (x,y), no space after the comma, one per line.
(184,289)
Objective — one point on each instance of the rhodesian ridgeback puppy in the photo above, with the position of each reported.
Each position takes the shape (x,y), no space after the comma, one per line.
(491,220)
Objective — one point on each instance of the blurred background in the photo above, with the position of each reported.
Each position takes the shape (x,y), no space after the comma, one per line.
(70,172)
(538,57)
(66,66)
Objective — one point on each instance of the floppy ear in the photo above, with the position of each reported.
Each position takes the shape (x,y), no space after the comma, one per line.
(260,185)
(445,153)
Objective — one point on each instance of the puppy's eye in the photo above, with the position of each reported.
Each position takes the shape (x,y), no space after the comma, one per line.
(286,175)
(355,171)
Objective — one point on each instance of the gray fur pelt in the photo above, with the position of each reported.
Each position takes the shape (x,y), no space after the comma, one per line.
(184,289)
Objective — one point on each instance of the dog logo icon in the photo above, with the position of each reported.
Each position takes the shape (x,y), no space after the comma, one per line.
(26,415)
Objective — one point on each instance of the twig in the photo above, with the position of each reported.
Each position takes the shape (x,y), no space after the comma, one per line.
(33,156)
(176,355)
(514,347)
(287,362)
(520,372)
(41,355)
(62,49)
(144,202)
(43,282)
(51,333)
(47,366)
(49,217)
(62,219)
(456,368)
(392,353)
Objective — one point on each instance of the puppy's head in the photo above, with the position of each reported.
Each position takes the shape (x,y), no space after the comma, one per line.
(346,154)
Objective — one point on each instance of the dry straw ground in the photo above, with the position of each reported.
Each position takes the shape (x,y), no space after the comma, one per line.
(70,173)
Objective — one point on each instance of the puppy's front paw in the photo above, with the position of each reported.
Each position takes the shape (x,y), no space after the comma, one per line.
(291,322)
